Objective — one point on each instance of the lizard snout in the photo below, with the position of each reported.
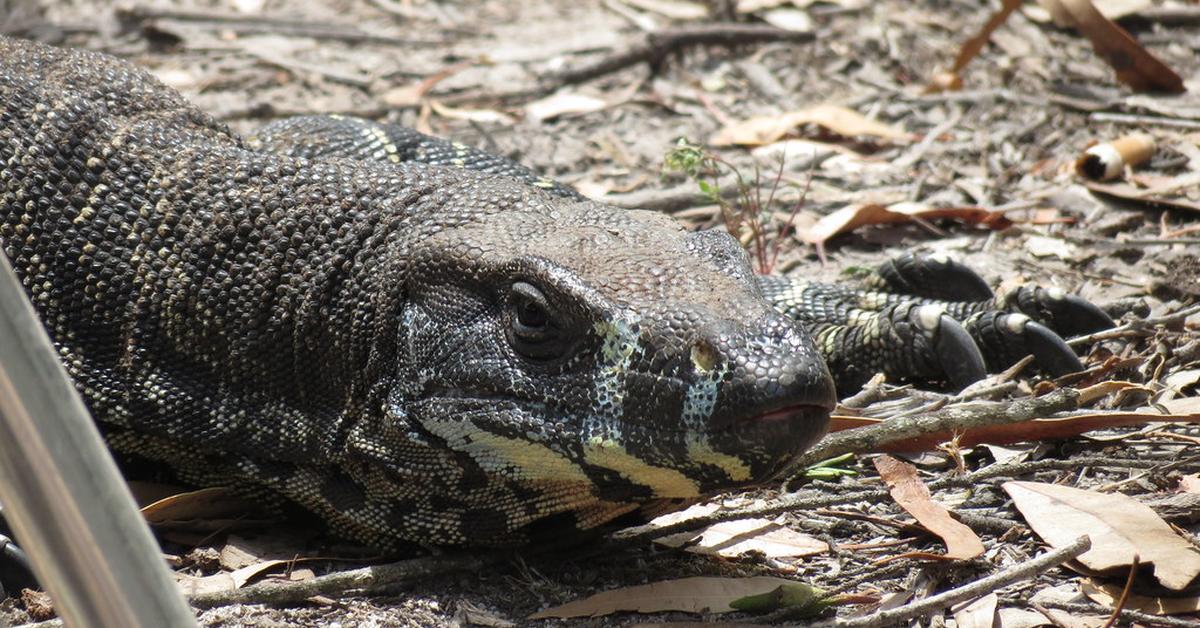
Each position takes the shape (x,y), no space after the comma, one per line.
(773,392)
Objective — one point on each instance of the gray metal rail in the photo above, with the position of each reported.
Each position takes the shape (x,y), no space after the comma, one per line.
(62,493)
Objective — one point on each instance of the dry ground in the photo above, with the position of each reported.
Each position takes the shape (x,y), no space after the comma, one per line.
(1032,101)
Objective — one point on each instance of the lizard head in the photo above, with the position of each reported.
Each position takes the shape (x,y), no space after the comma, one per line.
(580,361)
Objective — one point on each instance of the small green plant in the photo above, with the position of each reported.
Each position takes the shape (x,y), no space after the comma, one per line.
(747,215)
(830,469)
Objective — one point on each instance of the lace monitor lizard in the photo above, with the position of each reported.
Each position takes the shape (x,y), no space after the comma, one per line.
(421,342)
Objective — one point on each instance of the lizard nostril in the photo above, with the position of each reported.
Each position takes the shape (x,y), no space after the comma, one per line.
(704,356)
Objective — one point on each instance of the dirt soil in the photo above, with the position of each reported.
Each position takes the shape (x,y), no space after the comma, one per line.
(1033,100)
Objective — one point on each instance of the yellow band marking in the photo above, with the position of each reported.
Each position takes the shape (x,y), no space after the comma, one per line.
(664,482)
(703,453)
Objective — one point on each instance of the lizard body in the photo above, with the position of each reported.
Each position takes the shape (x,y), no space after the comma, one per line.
(416,341)
(413,353)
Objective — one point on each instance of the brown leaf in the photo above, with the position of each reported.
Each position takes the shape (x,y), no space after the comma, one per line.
(146,493)
(913,496)
(978,613)
(205,503)
(1151,196)
(761,130)
(1135,66)
(1108,594)
(952,80)
(853,216)
(1120,528)
(225,581)
(690,595)
(411,94)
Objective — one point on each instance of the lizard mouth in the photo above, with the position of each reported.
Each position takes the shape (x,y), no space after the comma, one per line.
(804,412)
(784,432)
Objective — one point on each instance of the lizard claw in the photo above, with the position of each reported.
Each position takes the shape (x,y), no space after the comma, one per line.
(1006,337)
(956,351)
(1066,314)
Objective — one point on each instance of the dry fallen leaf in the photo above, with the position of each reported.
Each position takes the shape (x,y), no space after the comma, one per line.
(978,613)
(690,595)
(1047,246)
(913,496)
(853,216)
(1108,594)
(788,19)
(761,130)
(225,581)
(1111,9)
(1119,526)
(734,538)
(474,115)
(952,79)
(411,94)
(1190,483)
(205,503)
(563,103)
(1134,66)
(1153,197)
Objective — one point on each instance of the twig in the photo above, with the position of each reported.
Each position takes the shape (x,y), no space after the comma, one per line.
(1020,571)
(300,67)
(784,503)
(660,44)
(949,419)
(669,201)
(1139,326)
(338,583)
(260,24)
(656,47)
(1126,118)
(1116,613)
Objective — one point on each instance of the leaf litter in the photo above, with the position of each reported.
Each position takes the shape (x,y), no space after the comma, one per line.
(1003,139)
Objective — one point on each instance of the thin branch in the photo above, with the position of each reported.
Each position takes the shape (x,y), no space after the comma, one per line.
(949,419)
(338,583)
(1139,326)
(268,24)
(1018,572)
(653,50)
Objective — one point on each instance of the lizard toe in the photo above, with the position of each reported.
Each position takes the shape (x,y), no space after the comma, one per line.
(932,277)
(1067,314)
(1006,337)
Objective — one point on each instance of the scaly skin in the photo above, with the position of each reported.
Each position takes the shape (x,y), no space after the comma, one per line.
(423,342)
(410,352)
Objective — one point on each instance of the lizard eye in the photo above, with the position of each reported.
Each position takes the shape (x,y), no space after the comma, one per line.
(532,329)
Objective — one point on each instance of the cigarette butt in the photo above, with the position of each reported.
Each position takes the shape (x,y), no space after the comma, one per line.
(1108,160)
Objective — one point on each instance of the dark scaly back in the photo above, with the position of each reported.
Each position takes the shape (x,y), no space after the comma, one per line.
(366,140)
(412,353)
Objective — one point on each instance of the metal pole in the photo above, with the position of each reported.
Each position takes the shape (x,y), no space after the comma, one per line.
(62,493)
